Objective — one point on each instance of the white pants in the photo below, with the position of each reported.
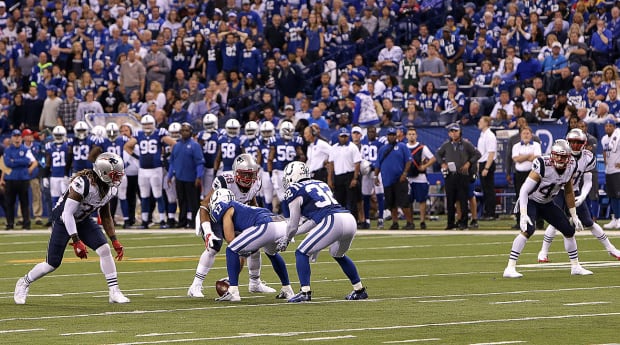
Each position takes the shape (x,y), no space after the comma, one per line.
(58,185)
(150,179)
(276,180)
(335,231)
(170,189)
(207,182)
(257,237)
(368,184)
(266,190)
(122,189)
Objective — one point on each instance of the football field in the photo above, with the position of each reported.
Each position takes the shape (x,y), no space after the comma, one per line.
(425,287)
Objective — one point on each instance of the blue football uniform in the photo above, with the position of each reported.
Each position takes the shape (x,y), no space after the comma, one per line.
(81,150)
(286,150)
(209,147)
(150,148)
(370,149)
(115,146)
(252,146)
(244,217)
(318,200)
(59,154)
(230,147)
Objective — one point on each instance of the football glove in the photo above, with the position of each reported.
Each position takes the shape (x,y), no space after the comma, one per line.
(524,221)
(282,243)
(80,249)
(120,251)
(46,182)
(209,236)
(575,219)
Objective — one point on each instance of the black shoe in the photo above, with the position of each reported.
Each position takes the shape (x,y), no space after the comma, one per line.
(394,226)
(48,224)
(163,225)
(363,226)
(26,226)
(39,222)
(450,227)
(463,226)
(9,227)
(19,222)
(172,223)
(145,225)
(423,225)
(409,226)
(474,224)
(132,222)
(181,224)
(126,225)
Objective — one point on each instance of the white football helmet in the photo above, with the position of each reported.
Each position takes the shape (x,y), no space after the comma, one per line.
(560,154)
(577,140)
(81,130)
(245,170)
(98,131)
(209,122)
(287,130)
(60,134)
(232,127)
(110,168)
(218,196)
(175,130)
(251,129)
(148,124)
(112,130)
(267,129)
(295,172)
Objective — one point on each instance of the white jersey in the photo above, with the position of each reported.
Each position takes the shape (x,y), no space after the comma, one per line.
(91,200)
(611,152)
(227,180)
(585,163)
(551,182)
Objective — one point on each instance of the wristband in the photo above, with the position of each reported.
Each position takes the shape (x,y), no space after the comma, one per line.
(113,238)
(75,238)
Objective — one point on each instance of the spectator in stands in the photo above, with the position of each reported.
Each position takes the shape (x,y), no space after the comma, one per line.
(432,68)
(504,103)
(89,105)
(32,107)
(157,65)
(289,79)
(364,112)
(601,43)
(389,57)
(132,75)
(275,33)
(49,113)
(359,35)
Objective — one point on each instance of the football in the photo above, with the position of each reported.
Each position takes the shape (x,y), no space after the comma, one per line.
(221,287)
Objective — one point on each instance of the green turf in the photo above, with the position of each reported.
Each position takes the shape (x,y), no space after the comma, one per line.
(431,288)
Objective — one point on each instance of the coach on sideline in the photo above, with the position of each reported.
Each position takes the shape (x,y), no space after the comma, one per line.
(318,153)
(344,172)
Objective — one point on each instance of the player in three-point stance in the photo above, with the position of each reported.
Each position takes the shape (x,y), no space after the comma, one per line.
(89,190)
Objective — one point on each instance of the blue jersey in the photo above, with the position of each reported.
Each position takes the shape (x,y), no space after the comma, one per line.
(286,150)
(295,30)
(209,147)
(244,217)
(264,150)
(115,146)
(58,154)
(252,146)
(81,150)
(231,56)
(318,201)
(150,148)
(370,149)
(230,147)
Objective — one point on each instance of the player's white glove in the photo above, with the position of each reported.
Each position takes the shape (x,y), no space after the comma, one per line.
(575,219)
(524,220)
(282,243)
(46,182)
(579,200)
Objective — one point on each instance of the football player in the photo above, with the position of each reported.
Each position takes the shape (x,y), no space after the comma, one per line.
(229,147)
(582,183)
(247,229)
(174,129)
(283,148)
(81,145)
(267,131)
(132,166)
(329,225)
(150,141)
(244,184)
(370,146)
(208,140)
(549,174)
(250,141)
(58,163)
(89,191)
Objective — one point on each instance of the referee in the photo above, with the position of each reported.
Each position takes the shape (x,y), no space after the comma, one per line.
(457,157)
(344,171)
(21,161)
(317,153)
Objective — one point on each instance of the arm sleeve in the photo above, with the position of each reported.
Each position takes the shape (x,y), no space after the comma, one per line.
(587,183)
(526,189)
(71,207)
(294,207)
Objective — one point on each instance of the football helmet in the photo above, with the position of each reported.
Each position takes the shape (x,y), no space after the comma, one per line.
(251,129)
(110,168)
(148,124)
(60,134)
(232,127)
(267,129)
(112,130)
(577,140)
(98,131)
(218,196)
(209,122)
(560,154)
(245,170)
(295,172)
(287,130)
(175,130)
(80,130)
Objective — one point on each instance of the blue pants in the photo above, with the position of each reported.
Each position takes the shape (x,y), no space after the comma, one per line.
(89,232)
(552,214)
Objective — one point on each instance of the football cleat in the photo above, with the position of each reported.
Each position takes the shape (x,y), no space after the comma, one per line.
(542,258)
(579,271)
(357,295)
(257,286)
(380,224)
(116,296)
(615,253)
(228,296)
(511,272)
(163,225)
(21,291)
(301,297)
(611,225)
(286,293)
(195,291)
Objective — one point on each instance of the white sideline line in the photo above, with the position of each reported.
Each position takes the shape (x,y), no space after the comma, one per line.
(329,338)
(127,294)
(502,342)
(82,333)
(22,330)
(519,301)
(410,341)
(443,300)
(162,334)
(585,303)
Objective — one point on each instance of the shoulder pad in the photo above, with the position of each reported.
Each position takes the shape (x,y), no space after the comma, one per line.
(220,182)
(80,185)
(539,164)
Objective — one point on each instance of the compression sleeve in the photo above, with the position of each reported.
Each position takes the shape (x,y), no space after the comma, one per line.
(527,187)
(71,207)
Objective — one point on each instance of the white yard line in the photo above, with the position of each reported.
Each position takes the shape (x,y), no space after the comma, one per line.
(329,338)
(22,330)
(443,300)
(83,333)
(514,302)
(411,341)
(585,303)
(502,342)
(162,334)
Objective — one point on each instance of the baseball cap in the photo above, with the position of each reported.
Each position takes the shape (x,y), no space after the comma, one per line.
(470,5)
(610,122)
(358,19)
(343,131)
(202,14)
(356,129)
(562,93)
(26,132)
(275,50)
(16,132)
(249,76)
(52,88)
(449,18)
(601,5)
(526,51)
(391,130)
(232,14)
(2,4)
(245,2)
(6,95)
(556,44)
(374,73)
(289,107)
(454,127)
(217,11)
(283,58)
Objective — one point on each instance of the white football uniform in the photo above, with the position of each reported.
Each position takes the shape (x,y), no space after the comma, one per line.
(91,198)
(551,182)
(585,163)
(227,180)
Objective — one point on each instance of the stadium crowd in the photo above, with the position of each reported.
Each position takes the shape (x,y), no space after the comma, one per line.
(333,65)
